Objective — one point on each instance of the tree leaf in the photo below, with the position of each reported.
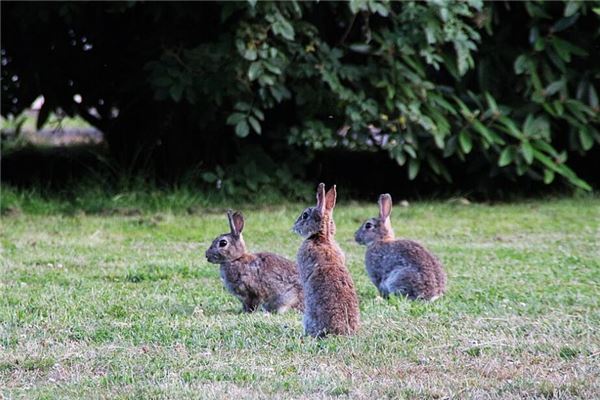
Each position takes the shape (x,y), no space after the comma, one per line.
(527,124)
(361,48)
(242,129)
(273,68)
(434,164)
(534,34)
(255,124)
(554,87)
(527,152)
(491,102)
(378,8)
(592,97)
(565,49)
(357,5)
(571,8)
(563,170)
(537,127)
(562,51)
(235,118)
(540,44)
(400,158)
(586,139)
(548,176)
(410,150)
(465,141)
(242,106)
(282,27)
(564,23)
(254,70)
(258,113)
(487,133)
(506,157)
(266,80)
(521,64)
(536,10)
(511,127)
(250,53)
(438,138)
(558,107)
(413,168)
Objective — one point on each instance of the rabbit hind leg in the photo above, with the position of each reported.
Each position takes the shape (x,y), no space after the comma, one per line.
(250,304)
(403,282)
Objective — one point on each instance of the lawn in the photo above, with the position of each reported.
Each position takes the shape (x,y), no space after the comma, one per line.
(124,305)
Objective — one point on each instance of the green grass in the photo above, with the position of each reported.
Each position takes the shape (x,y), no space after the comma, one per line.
(124,305)
(129,197)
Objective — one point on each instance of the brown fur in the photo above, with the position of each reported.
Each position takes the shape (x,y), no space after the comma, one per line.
(255,279)
(264,279)
(330,300)
(401,267)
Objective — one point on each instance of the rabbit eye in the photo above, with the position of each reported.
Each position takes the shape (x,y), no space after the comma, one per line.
(222,243)
(368,225)
(304,215)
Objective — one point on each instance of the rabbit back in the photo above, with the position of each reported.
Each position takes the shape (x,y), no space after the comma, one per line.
(406,268)
(264,279)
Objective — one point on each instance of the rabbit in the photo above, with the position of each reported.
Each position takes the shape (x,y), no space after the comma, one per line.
(401,267)
(255,279)
(330,300)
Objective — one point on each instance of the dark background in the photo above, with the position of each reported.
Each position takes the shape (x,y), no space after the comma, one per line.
(165,79)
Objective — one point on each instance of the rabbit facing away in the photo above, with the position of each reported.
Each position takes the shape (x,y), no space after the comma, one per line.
(402,267)
(330,300)
(255,279)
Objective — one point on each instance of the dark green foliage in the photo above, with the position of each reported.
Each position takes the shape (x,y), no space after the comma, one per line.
(243,86)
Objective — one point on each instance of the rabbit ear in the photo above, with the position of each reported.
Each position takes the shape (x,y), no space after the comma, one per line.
(385,206)
(321,197)
(231,224)
(330,198)
(236,222)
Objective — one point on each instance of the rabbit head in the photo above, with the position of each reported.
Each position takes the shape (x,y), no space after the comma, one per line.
(228,246)
(377,228)
(318,219)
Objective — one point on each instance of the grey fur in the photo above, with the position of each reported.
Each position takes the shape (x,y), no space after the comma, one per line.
(255,279)
(402,267)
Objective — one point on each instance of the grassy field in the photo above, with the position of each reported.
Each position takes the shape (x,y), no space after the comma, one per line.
(123,305)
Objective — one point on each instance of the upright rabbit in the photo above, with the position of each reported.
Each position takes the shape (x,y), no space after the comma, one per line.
(330,301)
(255,279)
(401,267)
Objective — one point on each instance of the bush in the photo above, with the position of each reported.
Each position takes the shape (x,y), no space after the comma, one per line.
(509,87)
